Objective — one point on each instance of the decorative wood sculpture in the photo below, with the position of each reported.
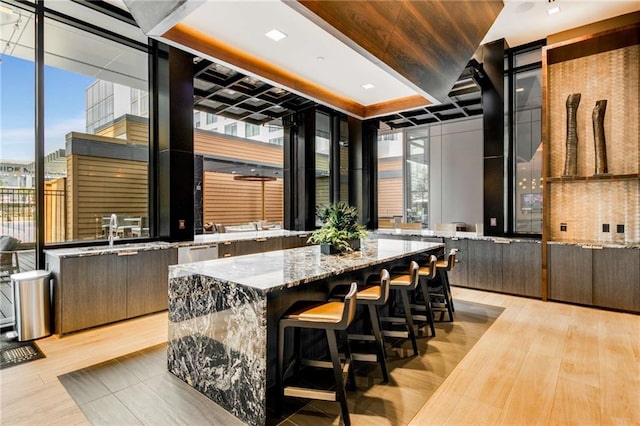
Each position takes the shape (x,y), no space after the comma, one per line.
(598,136)
(571,159)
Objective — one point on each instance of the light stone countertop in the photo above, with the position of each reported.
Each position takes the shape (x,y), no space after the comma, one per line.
(453,234)
(281,269)
(159,245)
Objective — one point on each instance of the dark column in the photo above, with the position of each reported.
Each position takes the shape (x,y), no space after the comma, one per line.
(39,133)
(363,146)
(299,170)
(198,188)
(173,128)
(493,124)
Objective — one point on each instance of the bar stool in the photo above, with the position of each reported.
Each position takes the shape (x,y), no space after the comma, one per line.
(403,284)
(444,290)
(427,274)
(373,295)
(331,317)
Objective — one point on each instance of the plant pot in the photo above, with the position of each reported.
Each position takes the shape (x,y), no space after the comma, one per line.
(327,248)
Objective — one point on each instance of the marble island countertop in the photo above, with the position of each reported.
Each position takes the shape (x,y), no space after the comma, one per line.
(240,236)
(453,234)
(281,269)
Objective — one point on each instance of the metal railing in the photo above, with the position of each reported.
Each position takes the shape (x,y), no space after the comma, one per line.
(18,214)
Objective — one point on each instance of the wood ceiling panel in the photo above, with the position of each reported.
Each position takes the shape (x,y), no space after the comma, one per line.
(427,43)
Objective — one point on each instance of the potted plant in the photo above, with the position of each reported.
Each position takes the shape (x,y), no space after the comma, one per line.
(340,231)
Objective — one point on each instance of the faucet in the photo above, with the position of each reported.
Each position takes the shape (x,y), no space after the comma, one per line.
(113,225)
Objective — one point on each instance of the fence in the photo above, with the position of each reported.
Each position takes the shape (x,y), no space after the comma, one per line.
(18,214)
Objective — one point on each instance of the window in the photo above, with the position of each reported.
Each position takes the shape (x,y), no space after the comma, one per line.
(390,178)
(211,118)
(86,119)
(417,176)
(251,130)
(274,128)
(277,141)
(323,183)
(526,134)
(231,129)
(17,104)
(196,119)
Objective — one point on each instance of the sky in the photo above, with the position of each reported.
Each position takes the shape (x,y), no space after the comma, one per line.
(64,107)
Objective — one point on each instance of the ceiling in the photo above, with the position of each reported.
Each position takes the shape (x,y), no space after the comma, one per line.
(321,62)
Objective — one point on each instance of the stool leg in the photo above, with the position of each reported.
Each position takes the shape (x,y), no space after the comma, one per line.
(382,356)
(427,303)
(341,395)
(298,346)
(409,318)
(351,381)
(450,307)
(279,370)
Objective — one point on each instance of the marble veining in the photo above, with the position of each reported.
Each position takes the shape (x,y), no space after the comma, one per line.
(281,269)
(218,312)
(217,342)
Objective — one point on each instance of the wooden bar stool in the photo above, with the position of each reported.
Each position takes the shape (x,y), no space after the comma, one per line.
(444,293)
(427,274)
(404,283)
(374,295)
(329,316)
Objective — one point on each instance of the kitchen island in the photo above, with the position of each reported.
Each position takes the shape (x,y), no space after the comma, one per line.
(223,314)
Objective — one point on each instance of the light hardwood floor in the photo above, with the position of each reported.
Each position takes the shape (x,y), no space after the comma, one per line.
(539,363)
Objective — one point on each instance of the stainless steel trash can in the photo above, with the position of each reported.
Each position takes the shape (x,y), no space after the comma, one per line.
(32,304)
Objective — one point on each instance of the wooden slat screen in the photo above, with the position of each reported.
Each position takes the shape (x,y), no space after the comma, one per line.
(232,202)
(220,145)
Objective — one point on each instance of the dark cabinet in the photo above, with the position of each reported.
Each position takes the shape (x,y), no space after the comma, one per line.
(147,281)
(226,249)
(89,291)
(522,269)
(484,266)
(616,278)
(100,289)
(570,275)
(294,241)
(256,245)
(458,275)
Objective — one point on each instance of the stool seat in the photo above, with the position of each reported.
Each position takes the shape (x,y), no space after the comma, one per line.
(330,312)
(425,270)
(373,292)
(442,264)
(401,280)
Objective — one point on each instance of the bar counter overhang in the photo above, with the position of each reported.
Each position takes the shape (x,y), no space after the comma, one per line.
(223,314)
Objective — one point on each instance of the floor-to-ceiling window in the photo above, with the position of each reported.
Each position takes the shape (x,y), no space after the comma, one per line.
(323,144)
(96,133)
(526,110)
(17,135)
(390,176)
(417,176)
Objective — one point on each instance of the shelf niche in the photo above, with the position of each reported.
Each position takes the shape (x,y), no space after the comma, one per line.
(599,66)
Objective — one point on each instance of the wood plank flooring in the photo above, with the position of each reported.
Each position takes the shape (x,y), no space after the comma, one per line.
(539,362)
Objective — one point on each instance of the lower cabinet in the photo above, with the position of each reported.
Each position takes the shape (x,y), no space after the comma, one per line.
(604,277)
(294,241)
(458,275)
(616,278)
(504,265)
(570,278)
(522,268)
(95,290)
(147,281)
(484,265)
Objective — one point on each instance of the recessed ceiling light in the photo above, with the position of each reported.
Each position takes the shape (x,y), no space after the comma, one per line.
(229,91)
(553,10)
(276,35)
(368,86)
(519,89)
